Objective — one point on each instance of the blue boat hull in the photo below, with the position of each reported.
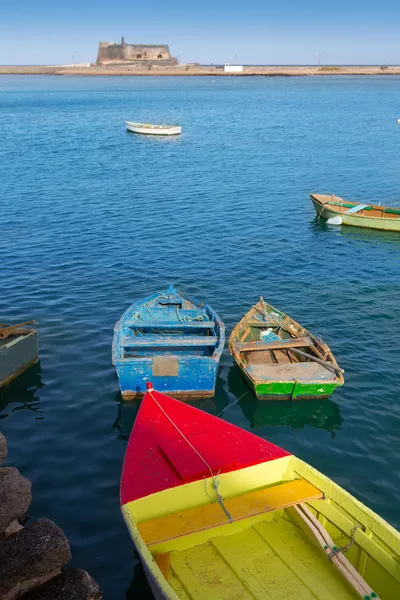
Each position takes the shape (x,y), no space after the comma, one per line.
(171,340)
(195,379)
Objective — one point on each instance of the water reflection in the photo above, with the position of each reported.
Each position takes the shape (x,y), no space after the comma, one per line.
(139,588)
(324,414)
(357,234)
(22,393)
(127,410)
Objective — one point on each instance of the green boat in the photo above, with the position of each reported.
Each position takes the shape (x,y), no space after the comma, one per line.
(341,212)
(279,359)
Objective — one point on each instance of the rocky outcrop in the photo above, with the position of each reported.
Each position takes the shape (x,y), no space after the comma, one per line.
(71,584)
(32,557)
(15,497)
(3,448)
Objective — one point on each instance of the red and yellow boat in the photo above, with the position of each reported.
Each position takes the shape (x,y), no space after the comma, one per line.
(216,512)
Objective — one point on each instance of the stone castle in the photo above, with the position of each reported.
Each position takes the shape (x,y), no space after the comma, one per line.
(110,52)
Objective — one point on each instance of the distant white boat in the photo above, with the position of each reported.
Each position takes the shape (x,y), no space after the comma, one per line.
(398,120)
(150,129)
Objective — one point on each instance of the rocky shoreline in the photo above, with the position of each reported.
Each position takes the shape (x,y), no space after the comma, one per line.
(197,70)
(32,557)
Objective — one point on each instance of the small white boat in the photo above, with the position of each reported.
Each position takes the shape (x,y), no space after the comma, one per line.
(149,129)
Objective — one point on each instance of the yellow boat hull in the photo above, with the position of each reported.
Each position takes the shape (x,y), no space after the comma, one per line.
(266,555)
(328,207)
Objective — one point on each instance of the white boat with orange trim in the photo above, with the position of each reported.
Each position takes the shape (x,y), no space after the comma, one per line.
(151,129)
(341,212)
(217,512)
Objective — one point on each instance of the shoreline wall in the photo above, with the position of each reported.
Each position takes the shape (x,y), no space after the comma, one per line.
(196,70)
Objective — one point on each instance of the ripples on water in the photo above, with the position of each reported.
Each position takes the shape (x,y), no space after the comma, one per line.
(93,218)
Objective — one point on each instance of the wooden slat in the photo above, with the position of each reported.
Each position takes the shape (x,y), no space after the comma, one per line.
(240,507)
(256,323)
(256,565)
(163,562)
(170,325)
(206,576)
(157,341)
(274,344)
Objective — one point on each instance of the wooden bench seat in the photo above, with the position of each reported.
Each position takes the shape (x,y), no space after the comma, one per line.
(161,341)
(275,344)
(240,507)
(164,325)
(256,323)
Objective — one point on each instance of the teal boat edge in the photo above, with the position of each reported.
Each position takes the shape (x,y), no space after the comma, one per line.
(171,339)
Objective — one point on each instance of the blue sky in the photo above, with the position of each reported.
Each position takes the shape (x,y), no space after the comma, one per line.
(258,32)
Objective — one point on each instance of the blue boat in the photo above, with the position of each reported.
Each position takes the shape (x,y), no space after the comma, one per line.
(171,340)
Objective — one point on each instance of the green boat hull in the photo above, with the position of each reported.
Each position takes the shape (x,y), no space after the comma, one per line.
(277,369)
(289,390)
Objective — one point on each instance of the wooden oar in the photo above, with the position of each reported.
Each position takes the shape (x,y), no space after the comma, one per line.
(325,541)
(6,331)
(346,563)
(324,363)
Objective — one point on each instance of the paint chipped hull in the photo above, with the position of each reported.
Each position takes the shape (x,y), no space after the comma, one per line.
(186,395)
(171,339)
(195,376)
(288,390)
(271,368)
(17,354)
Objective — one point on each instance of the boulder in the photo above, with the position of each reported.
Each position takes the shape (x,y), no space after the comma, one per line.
(3,447)
(71,584)
(15,496)
(30,557)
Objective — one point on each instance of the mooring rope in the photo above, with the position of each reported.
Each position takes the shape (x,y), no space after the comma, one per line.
(231,404)
(215,482)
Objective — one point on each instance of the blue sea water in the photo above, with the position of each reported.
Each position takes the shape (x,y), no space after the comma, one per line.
(93,218)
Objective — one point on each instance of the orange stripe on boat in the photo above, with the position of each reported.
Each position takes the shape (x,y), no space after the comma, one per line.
(168,460)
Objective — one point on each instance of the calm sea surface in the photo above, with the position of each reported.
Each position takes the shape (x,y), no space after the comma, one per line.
(93,218)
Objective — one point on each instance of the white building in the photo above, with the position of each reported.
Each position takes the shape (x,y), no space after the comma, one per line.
(233,68)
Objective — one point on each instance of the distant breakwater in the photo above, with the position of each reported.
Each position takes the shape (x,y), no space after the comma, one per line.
(197,70)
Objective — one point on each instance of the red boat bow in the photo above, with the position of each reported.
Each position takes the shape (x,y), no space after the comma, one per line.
(173,443)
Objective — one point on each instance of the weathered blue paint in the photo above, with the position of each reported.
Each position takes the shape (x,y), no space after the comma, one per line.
(172,340)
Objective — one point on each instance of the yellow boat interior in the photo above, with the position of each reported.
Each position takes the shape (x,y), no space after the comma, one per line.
(340,206)
(275,356)
(255,542)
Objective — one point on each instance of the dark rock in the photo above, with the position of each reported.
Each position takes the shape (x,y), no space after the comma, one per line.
(31,557)
(3,448)
(71,584)
(15,496)
(23,519)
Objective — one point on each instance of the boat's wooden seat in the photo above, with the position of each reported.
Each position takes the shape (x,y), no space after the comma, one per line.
(163,325)
(240,507)
(264,324)
(274,344)
(165,341)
